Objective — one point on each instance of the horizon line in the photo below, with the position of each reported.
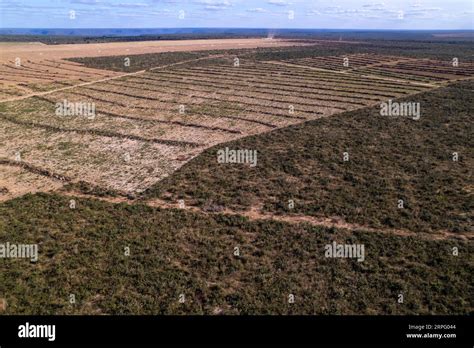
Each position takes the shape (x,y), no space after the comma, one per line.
(234,28)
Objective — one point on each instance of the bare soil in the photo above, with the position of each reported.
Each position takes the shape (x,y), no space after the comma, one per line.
(38,51)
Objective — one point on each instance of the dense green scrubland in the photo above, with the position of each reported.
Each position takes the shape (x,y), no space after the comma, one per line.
(84,251)
(173,252)
(390,159)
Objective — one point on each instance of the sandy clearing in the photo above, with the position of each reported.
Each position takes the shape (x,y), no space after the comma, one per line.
(125,165)
(35,77)
(15,181)
(39,52)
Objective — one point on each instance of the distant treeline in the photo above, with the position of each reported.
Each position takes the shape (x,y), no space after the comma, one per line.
(57,36)
(61,40)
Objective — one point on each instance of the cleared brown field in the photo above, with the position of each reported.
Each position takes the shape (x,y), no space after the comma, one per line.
(37,51)
(346,62)
(424,70)
(26,68)
(110,160)
(31,77)
(392,67)
(149,123)
(17,181)
(139,136)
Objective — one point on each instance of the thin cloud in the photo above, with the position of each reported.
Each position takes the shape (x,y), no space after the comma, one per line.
(279,2)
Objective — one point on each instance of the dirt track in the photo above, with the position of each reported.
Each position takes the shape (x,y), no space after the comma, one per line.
(256,214)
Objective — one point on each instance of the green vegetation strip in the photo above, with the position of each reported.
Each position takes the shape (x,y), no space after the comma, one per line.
(138,62)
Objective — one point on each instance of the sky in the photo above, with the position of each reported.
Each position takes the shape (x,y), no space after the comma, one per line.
(310,14)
